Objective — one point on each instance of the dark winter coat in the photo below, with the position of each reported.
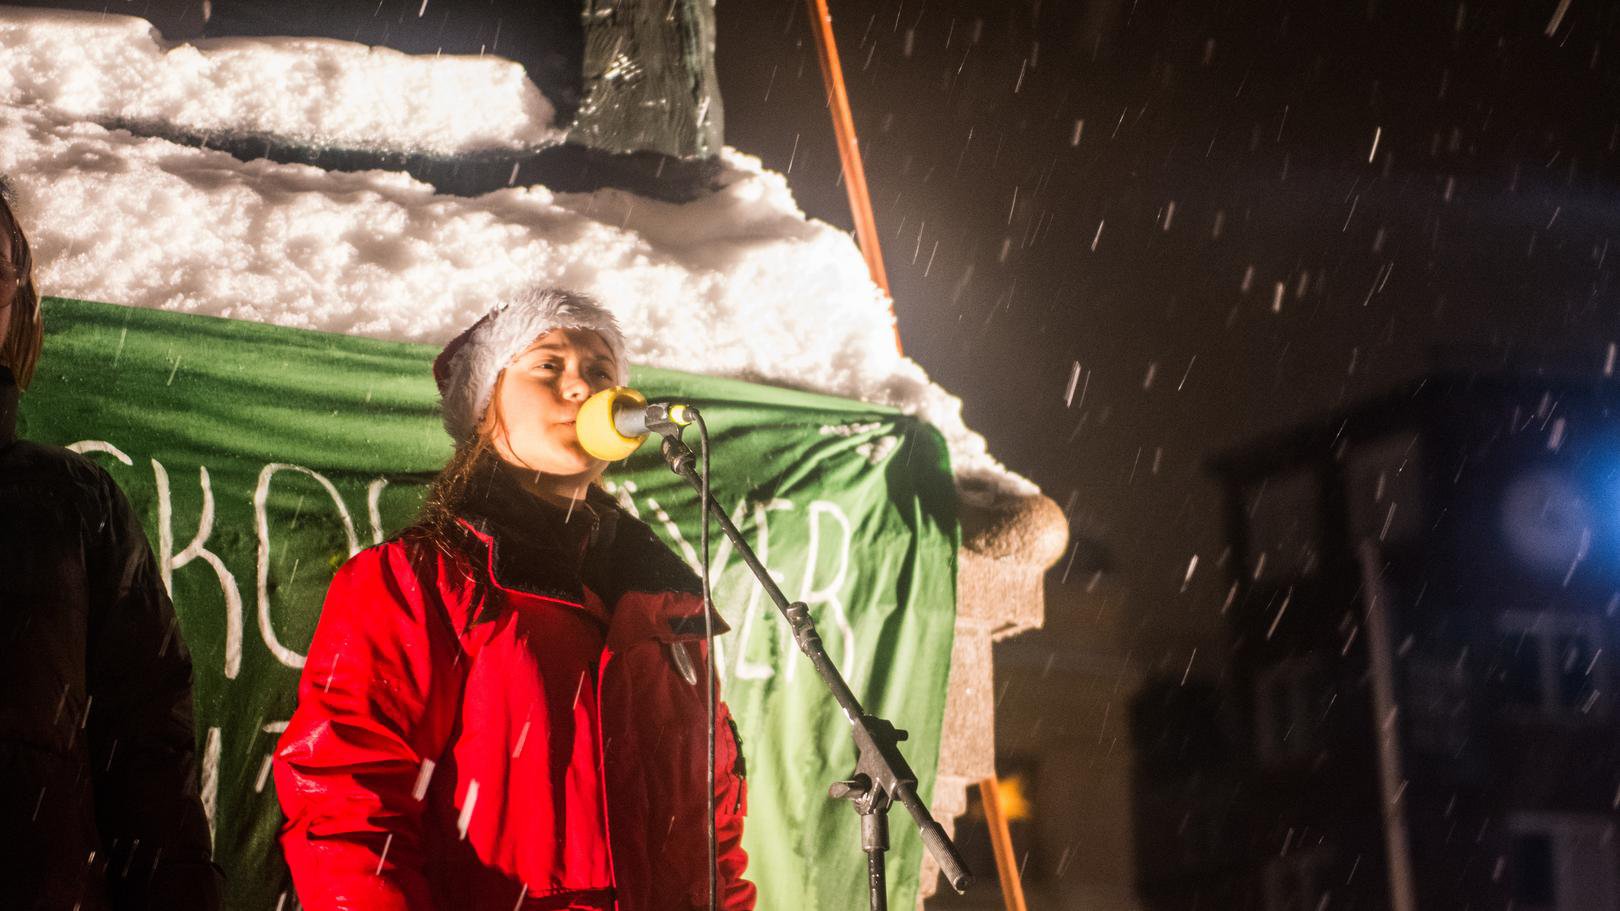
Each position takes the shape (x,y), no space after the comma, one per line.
(513,723)
(98,779)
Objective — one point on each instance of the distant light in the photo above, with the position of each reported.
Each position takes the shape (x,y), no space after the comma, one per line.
(1011,793)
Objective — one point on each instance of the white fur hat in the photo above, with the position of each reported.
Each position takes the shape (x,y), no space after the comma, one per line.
(466,369)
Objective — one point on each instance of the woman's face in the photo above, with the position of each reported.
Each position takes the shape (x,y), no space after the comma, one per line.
(530,421)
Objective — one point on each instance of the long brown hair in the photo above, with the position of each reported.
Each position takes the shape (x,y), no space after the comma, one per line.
(451,489)
(453,486)
(26,332)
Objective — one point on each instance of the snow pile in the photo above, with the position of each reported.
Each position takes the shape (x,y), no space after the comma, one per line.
(736,284)
(117,70)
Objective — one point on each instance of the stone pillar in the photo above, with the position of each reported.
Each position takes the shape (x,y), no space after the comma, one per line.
(1008,544)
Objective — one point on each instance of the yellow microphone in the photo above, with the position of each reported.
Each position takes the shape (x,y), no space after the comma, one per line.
(612,423)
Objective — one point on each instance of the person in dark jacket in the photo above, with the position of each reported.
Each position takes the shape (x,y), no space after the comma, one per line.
(99,797)
(503,706)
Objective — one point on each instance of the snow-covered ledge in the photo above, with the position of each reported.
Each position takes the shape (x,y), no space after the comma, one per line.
(715,286)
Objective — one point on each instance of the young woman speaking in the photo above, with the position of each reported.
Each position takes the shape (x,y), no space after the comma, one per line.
(499,709)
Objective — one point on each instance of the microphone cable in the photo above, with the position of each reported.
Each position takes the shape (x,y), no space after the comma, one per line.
(708,663)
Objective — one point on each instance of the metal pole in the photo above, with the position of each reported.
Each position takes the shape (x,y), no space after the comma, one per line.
(849,151)
(874,841)
(1386,727)
(1012,888)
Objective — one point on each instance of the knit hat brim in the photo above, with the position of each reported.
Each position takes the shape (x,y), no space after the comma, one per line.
(467,368)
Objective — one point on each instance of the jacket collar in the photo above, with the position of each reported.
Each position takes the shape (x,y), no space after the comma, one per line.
(502,508)
(537,549)
(9,396)
(532,546)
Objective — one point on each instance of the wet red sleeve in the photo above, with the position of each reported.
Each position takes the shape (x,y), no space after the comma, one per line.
(376,704)
(731,805)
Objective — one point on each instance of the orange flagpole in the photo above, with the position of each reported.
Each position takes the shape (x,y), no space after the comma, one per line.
(849,152)
(1012,888)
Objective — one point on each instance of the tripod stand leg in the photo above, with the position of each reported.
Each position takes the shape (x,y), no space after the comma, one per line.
(1012,888)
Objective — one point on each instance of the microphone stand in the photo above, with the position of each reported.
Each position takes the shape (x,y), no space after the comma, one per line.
(881,774)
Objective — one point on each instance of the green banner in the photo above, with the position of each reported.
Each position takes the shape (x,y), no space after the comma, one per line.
(261,458)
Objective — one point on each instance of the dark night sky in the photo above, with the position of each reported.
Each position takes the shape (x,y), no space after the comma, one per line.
(1233,216)
(1219,141)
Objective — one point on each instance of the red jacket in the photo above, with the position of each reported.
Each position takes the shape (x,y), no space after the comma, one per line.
(517,724)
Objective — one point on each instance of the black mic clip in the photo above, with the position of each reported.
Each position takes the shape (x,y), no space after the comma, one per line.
(665,420)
